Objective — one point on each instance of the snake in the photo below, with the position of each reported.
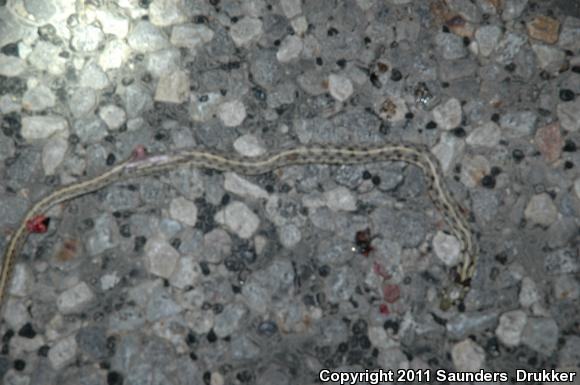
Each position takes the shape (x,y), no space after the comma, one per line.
(140,163)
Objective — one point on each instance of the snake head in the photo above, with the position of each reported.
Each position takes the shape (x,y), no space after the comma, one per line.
(38,224)
(139,153)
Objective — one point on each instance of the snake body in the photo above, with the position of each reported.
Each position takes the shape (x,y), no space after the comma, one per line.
(142,165)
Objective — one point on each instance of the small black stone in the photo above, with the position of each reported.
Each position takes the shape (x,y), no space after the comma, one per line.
(27,331)
(431,125)
(445,29)
(211,336)
(43,350)
(139,243)
(568,165)
(19,365)
(495,117)
(569,146)
(495,171)
(511,67)
(501,258)
(244,376)
(488,181)
(111,159)
(466,41)
(396,75)
(324,270)
(575,69)
(366,175)
(10,49)
(341,63)
(376,180)
(114,378)
(518,155)
(409,115)
(319,61)
(204,268)
(8,336)
(567,95)
(459,132)
(332,31)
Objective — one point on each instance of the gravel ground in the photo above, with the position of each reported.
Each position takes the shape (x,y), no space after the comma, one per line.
(200,277)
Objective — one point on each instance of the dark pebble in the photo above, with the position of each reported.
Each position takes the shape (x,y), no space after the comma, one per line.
(431,125)
(567,95)
(19,365)
(114,378)
(569,146)
(488,181)
(396,75)
(518,155)
(27,331)
(459,132)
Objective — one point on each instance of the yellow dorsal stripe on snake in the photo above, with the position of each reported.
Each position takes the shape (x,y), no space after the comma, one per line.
(146,165)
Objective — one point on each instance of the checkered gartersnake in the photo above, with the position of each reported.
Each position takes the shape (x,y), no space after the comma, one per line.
(140,164)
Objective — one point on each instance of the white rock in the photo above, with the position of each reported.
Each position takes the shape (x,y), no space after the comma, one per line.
(541,210)
(448,116)
(93,77)
(300,25)
(46,57)
(550,58)
(246,31)
(340,87)
(74,299)
(167,12)
(38,98)
(340,199)
(447,150)
(569,115)
(146,37)
(164,61)
(487,38)
(22,280)
(289,49)
(113,24)
(529,294)
(113,116)
(239,219)
(487,134)
(183,211)
(42,127)
(173,88)
(109,281)
(447,248)
(161,257)
(217,244)
(190,35)
(11,66)
(86,38)
(468,356)
(511,326)
(63,352)
(53,153)
(249,145)
(187,273)
(289,235)
(114,55)
(291,8)
(242,187)
(15,313)
(232,113)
